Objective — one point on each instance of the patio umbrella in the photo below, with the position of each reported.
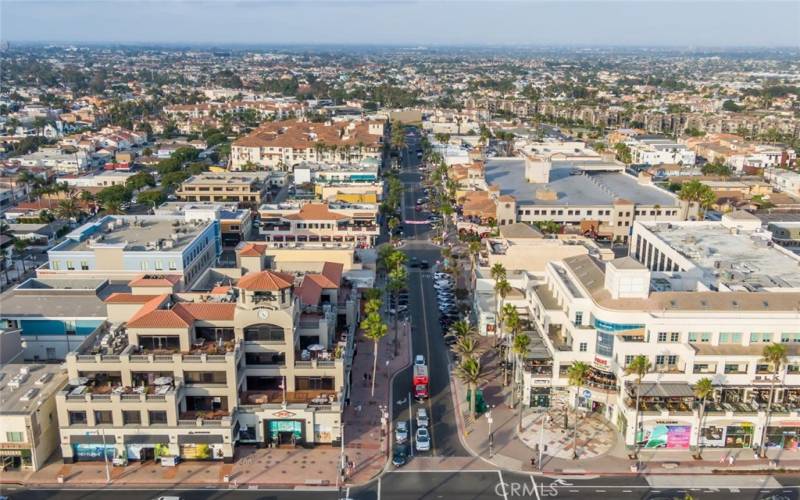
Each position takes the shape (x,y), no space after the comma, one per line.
(316,347)
(163,381)
(78,381)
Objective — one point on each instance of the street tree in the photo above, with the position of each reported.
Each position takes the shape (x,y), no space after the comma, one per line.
(577,374)
(703,389)
(470,372)
(639,366)
(374,329)
(775,356)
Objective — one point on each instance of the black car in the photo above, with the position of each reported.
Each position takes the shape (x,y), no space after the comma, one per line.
(413,262)
(424,265)
(400,455)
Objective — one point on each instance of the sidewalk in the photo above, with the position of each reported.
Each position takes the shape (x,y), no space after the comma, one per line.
(274,467)
(600,449)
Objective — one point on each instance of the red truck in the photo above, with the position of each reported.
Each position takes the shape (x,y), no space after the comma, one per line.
(420,381)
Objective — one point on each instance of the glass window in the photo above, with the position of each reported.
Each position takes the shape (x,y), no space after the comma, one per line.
(660,359)
(790,337)
(629,359)
(157,417)
(14,437)
(582,347)
(77,418)
(70,265)
(263,332)
(705,337)
(674,337)
(760,337)
(131,417)
(103,417)
(662,336)
(692,336)
(579,318)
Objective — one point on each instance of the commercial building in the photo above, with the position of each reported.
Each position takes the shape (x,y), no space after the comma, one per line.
(349,183)
(235,224)
(263,361)
(658,150)
(123,247)
(699,300)
(246,189)
(284,144)
(578,188)
(320,222)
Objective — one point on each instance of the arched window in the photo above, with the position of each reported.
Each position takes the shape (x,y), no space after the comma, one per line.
(263,332)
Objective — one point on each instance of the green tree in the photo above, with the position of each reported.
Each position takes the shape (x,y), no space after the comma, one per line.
(462,328)
(68,209)
(374,329)
(639,366)
(140,181)
(774,355)
(696,192)
(623,153)
(520,350)
(469,372)
(118,194)
(466,346)
(153,197)
(703,389)
(577,374)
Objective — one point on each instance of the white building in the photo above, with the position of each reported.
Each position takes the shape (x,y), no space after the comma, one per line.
(659,151)
(699,300)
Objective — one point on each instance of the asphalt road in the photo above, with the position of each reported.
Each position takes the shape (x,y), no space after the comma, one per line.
(424,315)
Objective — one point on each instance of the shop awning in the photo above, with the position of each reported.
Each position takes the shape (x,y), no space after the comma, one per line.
(200,439)
(92,439)
(146,439)
(664,390)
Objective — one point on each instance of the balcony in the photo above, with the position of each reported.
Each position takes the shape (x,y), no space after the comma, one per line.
(211,418)
(315,397)
(119,393)
(560,341)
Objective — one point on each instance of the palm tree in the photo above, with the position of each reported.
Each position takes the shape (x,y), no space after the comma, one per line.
(462,329)
(702,390)
(578,372)
(68,209)
(498,271)
(474,247)
(469,372)
(112,207)
(520,349)
(502,289)
(374,329)
(639,366)
(467,347)
(775,355)
(510,320)
(656,209)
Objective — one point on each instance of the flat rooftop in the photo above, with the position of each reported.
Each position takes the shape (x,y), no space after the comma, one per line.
(23,385)
(133,233)
(223,179)
(58,298)
(745,258)
(589,188)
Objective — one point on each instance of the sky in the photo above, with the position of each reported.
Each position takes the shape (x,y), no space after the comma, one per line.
(677,23)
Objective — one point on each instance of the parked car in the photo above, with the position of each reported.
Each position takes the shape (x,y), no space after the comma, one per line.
(400,455)
(401,431)
(422,417)
(422,439)
(424,265)
(450,339)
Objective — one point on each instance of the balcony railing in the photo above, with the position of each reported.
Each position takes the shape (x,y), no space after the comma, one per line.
(316,397)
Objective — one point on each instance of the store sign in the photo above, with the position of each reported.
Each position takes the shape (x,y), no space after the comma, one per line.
(283,414)
(666,436)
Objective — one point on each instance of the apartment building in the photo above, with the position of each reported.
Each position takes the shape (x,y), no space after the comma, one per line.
(349,183)
(246,189)
(299,222)
(235,224)
(57,160)
(659,150)
(699,300)
(263,361)
(123,247)
(284,144)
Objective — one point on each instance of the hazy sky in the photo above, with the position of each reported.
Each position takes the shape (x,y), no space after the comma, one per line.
(642,22)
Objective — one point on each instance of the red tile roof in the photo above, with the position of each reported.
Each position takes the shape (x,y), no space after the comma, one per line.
(333,271)
(220,290)
(252,250)
(265,280)
(315,211)
(309,292)
(129,298)
(205,311)
(159,318)
(152,280)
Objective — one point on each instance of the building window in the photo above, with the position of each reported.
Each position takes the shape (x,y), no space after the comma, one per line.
(14,437)
(579,318)
(629,359)
(705,337)
(77,418)
(157,417)
(172,265)
(131,417)
(660,358)
(672,360)
(70,265)
(263,332)
(756,338)
(790,337)
(583,347)
(158,265)
(692,336)
(103,417)
(674,337)
(84,265)
(662,336)
(730,338)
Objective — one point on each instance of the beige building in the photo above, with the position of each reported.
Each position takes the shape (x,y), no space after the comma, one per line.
(260,361)
(284,144)
(320,222)
(248,190)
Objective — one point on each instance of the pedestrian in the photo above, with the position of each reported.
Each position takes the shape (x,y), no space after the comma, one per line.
(533,462)
(731,460)
(722,459)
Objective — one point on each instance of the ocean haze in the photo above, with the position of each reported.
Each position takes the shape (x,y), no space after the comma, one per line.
(586,23)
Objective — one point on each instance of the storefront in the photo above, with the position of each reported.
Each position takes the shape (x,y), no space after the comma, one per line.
(92,447)
(671,434)
(14,458)
(736,435)
(284,432)
(201,447)
(786,437)
(142,447)
(540,397)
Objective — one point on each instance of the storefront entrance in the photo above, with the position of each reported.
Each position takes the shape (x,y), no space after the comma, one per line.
(284,433)
(540,397)
(10,463)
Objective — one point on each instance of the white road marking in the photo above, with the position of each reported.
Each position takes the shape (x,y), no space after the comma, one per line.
(379,490)
(502,484)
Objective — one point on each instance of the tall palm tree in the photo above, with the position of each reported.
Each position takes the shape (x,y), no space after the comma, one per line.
(639,366)
(775,355)
(462,329)
(502,289)
(510,321)
(469,372)
(68,209)
(112,207)
(702,390)
(577,373)
(474,247)
(498,271)
(467,347)
(374,329)
(520,349)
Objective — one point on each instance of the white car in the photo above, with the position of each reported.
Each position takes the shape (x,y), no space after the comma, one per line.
(422,417)
(419,359)
(401,431)
(423,439)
